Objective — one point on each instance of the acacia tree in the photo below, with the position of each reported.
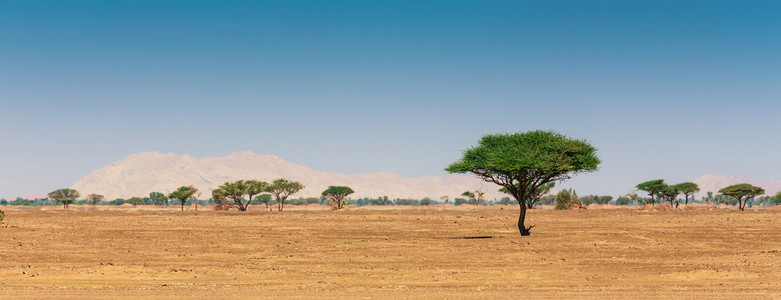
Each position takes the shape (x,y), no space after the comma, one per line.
(263,198)
(135,201)
(475,197)
(535,195)
(337,195)
(219,199)
(687,189)
(669,192)
(283,188)
(183,193)
(652,187)
(65,196)
(158,198)
(742,192)
(522,162)
(94,198)
(236,191)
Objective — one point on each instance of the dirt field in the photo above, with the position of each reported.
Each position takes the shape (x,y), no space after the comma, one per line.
(432,252)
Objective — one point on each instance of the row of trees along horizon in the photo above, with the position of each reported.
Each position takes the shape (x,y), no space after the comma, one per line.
(526,166)
(470,197)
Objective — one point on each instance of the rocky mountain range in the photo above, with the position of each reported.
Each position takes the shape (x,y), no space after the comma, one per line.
(142,173)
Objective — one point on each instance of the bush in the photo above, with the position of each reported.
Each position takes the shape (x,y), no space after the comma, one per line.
(564,199)
(460,201)
(623,201)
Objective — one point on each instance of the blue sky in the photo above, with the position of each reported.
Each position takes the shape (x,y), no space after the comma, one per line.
(671,89)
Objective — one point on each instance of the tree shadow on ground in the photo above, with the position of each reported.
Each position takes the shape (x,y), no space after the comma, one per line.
(471,237)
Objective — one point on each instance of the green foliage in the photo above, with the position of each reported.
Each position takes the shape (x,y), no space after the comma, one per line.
(135,201)
(265,199)
(476,197)
(3,202)
(522,162)
(623,200)
(337,195)
(595,199)
(183,193)
(669,192)
(64,196)
(776,199)
(460,201)
(687,189)
(158,198)
(93,199)
(565,198)
(652,187)
(236,191)
(425,201)
(742,192)
(283,188)
(505,200)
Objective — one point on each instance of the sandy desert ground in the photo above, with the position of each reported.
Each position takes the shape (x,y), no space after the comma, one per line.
(389,252)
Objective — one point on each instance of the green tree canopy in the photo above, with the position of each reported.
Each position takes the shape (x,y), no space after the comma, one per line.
(687,189)
(522,162)
(337,195)
(183,193)
(94,198)
(64,196)
(135,201)
(236,191)
(742,192)
(283,188)
(652,187)
(669,192)
(158,198)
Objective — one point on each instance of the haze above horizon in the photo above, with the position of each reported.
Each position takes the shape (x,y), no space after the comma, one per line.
(664,89)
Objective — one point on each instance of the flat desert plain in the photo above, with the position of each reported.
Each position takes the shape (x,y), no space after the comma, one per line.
(389,252)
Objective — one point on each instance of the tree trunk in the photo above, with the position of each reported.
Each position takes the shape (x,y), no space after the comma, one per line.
(521,218)
(182,205)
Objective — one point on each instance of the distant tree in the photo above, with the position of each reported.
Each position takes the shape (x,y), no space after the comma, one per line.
(623,200)
(337,195)
(470,196)
(776,199)
(94,198)
(564,199)
(283,188)
(221,202)
(265,199)
(687,189)
(183,193)
(670,193)
(236,191)
(742,192)
(425,201)
(135,201)
(64,196)
(445,198)
(534,195)
(652,187)
(158,198)
(523,162)
(459,201)
(505,200)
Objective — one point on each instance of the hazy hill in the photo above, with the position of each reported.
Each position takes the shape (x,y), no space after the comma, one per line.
(141,173)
